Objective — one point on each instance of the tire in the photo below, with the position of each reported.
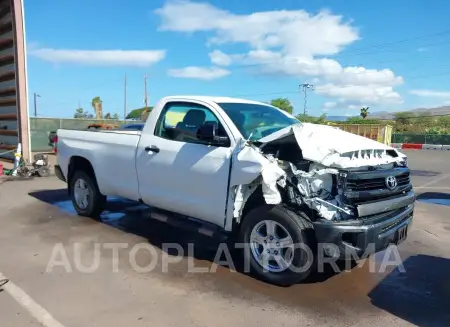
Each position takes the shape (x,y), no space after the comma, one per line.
(95,200)
(43,172)
(301,231)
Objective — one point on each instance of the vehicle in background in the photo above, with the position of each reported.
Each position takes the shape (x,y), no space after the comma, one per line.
(136,126)
(251,172)
(103,126)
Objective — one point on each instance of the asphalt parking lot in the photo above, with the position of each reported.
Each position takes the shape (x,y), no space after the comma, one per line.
(39,227)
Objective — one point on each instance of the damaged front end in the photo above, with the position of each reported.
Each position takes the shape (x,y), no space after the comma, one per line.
(333,175)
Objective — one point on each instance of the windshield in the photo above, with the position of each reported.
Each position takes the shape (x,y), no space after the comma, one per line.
(256,121)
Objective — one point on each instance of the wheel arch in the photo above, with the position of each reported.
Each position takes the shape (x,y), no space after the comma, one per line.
(79,163)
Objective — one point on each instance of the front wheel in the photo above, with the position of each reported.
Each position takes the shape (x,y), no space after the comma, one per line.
(86,197)
(279,243)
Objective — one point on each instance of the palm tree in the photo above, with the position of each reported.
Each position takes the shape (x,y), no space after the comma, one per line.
(364,112)
(97,104)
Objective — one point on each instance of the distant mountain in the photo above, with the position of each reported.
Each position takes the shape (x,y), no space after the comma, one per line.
(337,118)
(445,110)
(390,115)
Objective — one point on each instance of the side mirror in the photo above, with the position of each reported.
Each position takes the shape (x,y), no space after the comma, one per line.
(208,133)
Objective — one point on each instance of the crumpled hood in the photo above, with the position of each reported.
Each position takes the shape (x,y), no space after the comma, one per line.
(331,146)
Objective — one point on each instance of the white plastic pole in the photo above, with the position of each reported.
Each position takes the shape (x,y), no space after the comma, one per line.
(17,157)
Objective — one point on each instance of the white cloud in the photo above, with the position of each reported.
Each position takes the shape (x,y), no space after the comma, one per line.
(361,94)
(219,58)
(295,31)
(431,93)
(284,42)
(100,57)
(202,73)
(329,105)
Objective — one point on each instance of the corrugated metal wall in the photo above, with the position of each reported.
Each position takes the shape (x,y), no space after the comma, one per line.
(13,122)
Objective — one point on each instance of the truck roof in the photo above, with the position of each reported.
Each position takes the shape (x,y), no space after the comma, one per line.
(212,99)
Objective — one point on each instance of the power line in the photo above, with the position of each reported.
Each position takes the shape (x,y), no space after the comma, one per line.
(381,45)
(125,98)
(340,86)
(343,55)
(401,41)
(339,56)
(351,51)
(296,92)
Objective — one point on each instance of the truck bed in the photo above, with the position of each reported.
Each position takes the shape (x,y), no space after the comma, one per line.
(111,152)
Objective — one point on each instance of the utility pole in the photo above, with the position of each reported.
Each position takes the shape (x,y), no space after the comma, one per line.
(146,95)
(35,104)
(305,87)
(125,99)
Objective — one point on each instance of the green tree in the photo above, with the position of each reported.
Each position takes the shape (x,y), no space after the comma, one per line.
(107,116)
(321,119)
(115,116)
(97,104)
(310,119)
(80,113)
(425,121)
(358,120)
(403,118)
(444,121)
(136,113)
(283,104)
(364,112)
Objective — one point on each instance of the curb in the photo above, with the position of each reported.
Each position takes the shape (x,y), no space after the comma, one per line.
(419,146)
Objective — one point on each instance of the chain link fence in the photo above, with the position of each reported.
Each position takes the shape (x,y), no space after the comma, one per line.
(40,129)
(421,138)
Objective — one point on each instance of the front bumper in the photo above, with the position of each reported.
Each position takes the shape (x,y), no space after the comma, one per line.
(364,236)
(59,173)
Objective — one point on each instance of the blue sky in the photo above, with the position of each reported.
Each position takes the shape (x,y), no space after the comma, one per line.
(388,55)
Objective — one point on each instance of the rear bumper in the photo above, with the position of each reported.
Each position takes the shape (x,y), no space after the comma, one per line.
(59,173)
(362,237)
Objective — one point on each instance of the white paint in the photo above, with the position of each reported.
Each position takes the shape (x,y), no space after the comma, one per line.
(192,179)
(431,147)
(433,181)
(333,147)
(32,307)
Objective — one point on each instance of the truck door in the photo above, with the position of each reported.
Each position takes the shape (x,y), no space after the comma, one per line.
(178,172)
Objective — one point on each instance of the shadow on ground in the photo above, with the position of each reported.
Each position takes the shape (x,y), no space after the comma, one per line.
(421,295)
(434,198)
(133,217)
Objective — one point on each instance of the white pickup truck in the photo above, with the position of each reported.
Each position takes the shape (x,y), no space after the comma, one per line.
(284,188)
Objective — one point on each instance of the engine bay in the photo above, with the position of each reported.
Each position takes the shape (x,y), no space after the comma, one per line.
(286,176)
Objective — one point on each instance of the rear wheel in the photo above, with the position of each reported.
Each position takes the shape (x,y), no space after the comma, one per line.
(86,197)
(280,244)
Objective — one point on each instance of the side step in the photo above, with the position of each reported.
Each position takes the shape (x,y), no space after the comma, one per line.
(189,223)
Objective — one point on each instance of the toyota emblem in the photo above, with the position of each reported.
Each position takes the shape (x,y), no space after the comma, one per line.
(391,182)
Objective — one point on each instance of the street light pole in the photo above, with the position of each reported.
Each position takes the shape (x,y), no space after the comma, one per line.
(35,104)
(306,86)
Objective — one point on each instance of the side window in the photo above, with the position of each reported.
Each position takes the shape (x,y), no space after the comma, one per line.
(179,121)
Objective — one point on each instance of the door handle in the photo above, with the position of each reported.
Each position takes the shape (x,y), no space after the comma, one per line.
(152,148)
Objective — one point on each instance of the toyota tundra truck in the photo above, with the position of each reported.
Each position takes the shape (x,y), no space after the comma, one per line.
(249,171)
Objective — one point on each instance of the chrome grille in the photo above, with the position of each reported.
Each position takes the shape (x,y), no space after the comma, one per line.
(375,183)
